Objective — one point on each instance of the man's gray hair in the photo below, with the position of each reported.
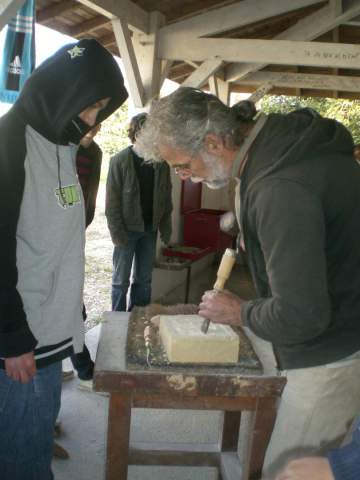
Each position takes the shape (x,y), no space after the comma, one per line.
(183,119)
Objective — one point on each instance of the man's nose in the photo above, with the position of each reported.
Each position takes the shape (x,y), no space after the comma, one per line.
(90,118)
(183,173)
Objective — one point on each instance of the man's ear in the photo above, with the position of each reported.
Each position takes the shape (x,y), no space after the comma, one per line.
(214,144)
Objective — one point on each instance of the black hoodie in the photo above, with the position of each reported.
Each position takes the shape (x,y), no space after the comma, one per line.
(74,78)
(300,202)
(42,237)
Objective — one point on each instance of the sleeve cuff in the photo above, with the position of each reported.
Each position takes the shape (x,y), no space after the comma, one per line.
(17,343)
(244,312)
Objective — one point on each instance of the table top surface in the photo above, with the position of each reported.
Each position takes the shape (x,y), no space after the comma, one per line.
(112,373)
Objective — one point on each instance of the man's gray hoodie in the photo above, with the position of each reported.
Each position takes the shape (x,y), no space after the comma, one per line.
(300,200)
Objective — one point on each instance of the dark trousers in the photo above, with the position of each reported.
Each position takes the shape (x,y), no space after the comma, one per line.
(82,361)
(136,260)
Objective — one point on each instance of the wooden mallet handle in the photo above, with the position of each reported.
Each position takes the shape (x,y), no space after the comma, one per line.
(223,273)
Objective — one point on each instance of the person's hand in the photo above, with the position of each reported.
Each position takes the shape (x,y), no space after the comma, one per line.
(221,307)
(314,468)
(21,368)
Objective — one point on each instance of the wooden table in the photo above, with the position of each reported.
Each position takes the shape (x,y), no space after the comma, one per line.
(251,398)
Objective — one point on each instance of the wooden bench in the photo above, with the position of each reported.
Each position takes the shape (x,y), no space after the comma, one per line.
(249,398)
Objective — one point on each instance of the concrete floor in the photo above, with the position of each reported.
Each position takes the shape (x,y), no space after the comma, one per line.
(84,414)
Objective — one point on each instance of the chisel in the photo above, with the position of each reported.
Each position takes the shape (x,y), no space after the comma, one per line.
(223,273)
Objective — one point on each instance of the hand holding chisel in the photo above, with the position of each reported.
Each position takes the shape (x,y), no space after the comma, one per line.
(223,273)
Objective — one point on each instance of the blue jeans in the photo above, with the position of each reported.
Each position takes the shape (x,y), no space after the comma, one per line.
(139,252)
(27,418)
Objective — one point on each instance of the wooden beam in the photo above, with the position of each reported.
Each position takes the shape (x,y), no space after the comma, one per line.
(136,17)
(234,16)
(107,40)
(148,58)
(308,28)
(165,69)
(260,92)
(124,43)
(8,10)
(220,88)
(279,52)
(223,90)
(88,26)
(193,64)
(54,10)
(200,76)
(303,80)
(336,6)
(213,85)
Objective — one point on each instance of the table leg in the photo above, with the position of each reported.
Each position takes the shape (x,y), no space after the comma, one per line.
(230,433)
(263,427)
(118,436)
(230,467)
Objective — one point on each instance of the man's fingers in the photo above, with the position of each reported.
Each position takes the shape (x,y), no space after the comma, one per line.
(22,368)
(21,375)
(24,377)
(13,374)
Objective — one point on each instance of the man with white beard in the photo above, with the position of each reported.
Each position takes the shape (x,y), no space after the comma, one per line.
(297,210)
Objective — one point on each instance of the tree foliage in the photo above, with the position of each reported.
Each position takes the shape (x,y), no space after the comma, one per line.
(344,111)
(113,134)
(112,137)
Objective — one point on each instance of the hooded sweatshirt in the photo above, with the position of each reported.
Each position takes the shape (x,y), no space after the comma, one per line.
(300,202)
(42,217)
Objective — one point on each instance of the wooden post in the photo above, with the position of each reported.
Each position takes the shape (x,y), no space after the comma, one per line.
(118,436)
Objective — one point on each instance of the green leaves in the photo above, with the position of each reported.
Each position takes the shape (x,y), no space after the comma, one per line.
(345,111)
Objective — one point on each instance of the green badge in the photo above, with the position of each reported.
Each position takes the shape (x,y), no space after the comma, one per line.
(69,196)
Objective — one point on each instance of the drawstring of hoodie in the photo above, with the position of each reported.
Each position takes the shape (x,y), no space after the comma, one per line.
(59,177)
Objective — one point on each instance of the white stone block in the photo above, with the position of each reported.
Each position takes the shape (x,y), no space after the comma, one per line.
(184,342)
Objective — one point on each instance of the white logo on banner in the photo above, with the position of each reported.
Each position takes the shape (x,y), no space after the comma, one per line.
(15,66)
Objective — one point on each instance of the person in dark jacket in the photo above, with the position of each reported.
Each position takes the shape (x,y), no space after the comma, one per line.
(42,233)
(88,167)
(297,207)
(339,464)
(138,205)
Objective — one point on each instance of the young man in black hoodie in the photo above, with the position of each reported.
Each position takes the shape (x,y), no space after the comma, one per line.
(42,231)
(297,209)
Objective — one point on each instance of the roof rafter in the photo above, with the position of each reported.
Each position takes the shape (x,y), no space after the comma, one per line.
(89,25)
(136,17)
(278,52)
(202,73)
(126,49)
(233,16)
(306,29)
(303,80)
(54,10)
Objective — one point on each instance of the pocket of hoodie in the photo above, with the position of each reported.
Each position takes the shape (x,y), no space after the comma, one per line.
(53,281)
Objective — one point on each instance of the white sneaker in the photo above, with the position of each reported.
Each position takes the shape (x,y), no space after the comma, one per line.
(86,385)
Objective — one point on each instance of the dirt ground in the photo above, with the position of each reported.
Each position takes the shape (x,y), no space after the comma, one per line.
(97,290)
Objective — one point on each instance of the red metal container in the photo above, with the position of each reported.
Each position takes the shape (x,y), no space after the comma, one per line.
(201,225)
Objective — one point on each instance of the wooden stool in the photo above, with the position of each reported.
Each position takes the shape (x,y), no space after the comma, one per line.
(252,398)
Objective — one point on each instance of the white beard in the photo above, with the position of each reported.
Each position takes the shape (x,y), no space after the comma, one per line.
(197,179)
(218,176)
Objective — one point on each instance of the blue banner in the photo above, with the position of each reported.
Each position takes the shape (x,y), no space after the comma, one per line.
(18,58)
